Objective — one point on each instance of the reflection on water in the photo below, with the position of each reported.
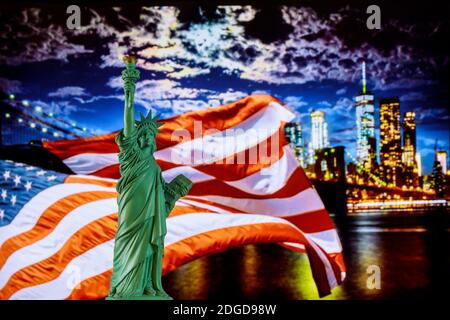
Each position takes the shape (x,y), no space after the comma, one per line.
(411,250)
(248,275)
(192,280)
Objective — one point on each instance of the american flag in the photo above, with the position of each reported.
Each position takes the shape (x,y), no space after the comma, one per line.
(57,230)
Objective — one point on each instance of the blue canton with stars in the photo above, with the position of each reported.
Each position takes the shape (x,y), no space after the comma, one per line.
(19,183)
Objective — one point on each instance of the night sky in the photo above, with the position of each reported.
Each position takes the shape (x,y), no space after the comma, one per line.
(192,57)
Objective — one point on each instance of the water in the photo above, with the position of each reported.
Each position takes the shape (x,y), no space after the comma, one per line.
(411,249)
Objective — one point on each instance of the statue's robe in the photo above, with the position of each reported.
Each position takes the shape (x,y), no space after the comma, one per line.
(144,201)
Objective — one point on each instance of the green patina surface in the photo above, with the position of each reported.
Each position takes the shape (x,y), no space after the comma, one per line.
(145,200)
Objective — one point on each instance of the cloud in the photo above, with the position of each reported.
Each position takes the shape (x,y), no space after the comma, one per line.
(426,152)
(433,116)
(298,105)
(214,102)
(324,103)
(61,108)
(69,91)
(344,105)
(313,51)
(315,46)
(341,91)
(170,97)
(344,108)
(264,92)
(403,83)
(98,97)
(413,96)
(182,106)
(228,96)
(37,39)
(160,89)
(426,141)
(295,102)
(10,86)
(173,70)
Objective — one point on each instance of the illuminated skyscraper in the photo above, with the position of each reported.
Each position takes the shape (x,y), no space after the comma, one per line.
(319,134)
(293,132)
(390,141)
(409,149)
(409,138)
(419,164)
(366,153)
(441,156)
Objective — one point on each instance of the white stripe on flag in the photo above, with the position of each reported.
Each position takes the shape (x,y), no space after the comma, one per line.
(204,206)
(49,245)
(328,240)
(91,263)
(265,122)
(188,225)
(265,181)
(270,179)
(86,163)
(305,201)
(30,213)
(217,146)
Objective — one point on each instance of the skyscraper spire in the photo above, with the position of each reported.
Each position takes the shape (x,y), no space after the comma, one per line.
(366,153)
(364,87)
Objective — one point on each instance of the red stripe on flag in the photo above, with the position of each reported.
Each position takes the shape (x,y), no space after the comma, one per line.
(314,221)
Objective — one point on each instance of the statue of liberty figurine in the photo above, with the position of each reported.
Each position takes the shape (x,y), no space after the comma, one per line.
(144,200)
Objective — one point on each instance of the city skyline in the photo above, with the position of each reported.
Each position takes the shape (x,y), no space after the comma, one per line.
(193,58)
(394,150)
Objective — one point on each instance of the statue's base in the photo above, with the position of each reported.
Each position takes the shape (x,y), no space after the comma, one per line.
(140,298)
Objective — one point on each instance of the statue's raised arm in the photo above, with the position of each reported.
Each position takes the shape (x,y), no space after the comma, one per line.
(130,75)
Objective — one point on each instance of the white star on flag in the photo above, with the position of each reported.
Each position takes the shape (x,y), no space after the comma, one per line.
(13,199)
(28,185)
(29,168)
(4,194)
(17,180)
(19,164)
(7,175)
(2,214)
(41,172)
(51,178)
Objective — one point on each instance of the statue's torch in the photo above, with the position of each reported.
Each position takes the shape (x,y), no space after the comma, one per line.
(130,75)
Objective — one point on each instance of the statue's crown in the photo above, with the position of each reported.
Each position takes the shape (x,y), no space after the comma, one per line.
(148,122)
